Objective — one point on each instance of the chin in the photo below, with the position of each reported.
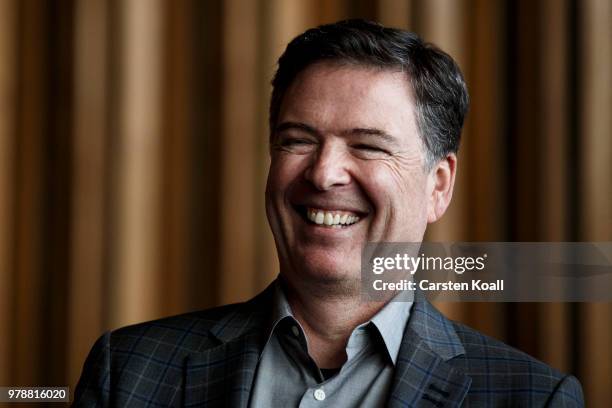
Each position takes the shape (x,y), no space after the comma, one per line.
(330,269)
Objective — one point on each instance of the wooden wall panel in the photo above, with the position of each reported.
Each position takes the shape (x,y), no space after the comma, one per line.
(135,283)
(330,11)
(596,171)
(27,272)
(175,158)
(482,151)
(595,118)
(204,155)
(86,286)
(57,176)
(8,94)
(486,122)
(554,101)
(241,31)
(553,211)
(394,13)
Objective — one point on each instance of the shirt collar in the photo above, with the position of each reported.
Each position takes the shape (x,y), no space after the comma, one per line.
(390,321)
(280,309)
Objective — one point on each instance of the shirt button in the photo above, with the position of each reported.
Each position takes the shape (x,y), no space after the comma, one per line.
(319,394)
(296,331)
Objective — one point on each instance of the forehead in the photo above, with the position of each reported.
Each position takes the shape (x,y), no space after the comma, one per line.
(334,97)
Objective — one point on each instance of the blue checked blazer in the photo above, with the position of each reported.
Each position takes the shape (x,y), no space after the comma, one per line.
(209,358)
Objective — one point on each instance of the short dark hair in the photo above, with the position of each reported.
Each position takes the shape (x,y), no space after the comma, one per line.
(439,89)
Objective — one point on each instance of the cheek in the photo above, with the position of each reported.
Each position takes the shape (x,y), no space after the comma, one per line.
(284,169)
(397,193)
(394,182)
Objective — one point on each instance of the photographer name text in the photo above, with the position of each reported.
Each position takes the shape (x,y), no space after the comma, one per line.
(449,286)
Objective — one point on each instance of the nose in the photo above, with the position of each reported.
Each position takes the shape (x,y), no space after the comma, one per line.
(329,168)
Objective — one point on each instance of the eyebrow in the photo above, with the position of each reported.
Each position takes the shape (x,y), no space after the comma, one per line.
(298,126)
(348,132)
(370,132)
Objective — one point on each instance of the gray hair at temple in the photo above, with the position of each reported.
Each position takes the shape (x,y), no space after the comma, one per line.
(438,86)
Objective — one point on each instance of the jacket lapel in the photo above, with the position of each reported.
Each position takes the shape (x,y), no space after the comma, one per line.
(223,376)
(423,377)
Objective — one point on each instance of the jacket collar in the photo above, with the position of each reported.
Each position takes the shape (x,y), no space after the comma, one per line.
(251,316)
(423,375)
(223,375)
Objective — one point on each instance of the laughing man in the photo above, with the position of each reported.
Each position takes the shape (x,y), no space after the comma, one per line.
(365,125)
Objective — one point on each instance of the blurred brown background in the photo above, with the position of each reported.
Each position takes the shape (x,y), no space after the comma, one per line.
(133,158)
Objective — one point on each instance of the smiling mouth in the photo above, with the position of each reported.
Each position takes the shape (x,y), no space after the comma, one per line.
(328,218)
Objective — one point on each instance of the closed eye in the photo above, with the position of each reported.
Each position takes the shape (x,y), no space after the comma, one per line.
(294,142)
(370,148)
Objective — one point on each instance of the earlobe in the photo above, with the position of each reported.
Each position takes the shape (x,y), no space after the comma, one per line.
(443,181)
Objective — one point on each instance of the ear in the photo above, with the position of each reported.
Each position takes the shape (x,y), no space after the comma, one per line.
(441,182)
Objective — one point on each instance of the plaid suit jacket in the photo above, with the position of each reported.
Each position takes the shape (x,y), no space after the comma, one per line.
(209,358)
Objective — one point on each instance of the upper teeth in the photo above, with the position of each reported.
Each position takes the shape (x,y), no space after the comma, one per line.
(331,217)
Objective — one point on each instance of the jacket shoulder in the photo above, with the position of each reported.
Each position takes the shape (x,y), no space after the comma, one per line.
(144,362)
(189,332)
(501,372)
(481,349)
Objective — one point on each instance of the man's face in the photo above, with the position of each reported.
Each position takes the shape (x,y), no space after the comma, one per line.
(347,168)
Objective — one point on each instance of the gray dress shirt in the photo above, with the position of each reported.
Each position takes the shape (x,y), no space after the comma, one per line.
(287,376)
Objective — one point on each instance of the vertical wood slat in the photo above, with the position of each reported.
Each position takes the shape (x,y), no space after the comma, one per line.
(486,120)
(88,214)
(596,149)
(205,141)
(27,273)
(596,120)
(484,144)
(237,274)
(57,148)
(394,13)
(176,159)
(8,93)
(330,11)
(554,90)
(136,274)
(523,152)
(554,317)
(524,123)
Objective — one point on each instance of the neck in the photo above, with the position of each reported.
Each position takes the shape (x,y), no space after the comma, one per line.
(328,321)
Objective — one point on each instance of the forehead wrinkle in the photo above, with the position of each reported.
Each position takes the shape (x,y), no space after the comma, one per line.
(318,96)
